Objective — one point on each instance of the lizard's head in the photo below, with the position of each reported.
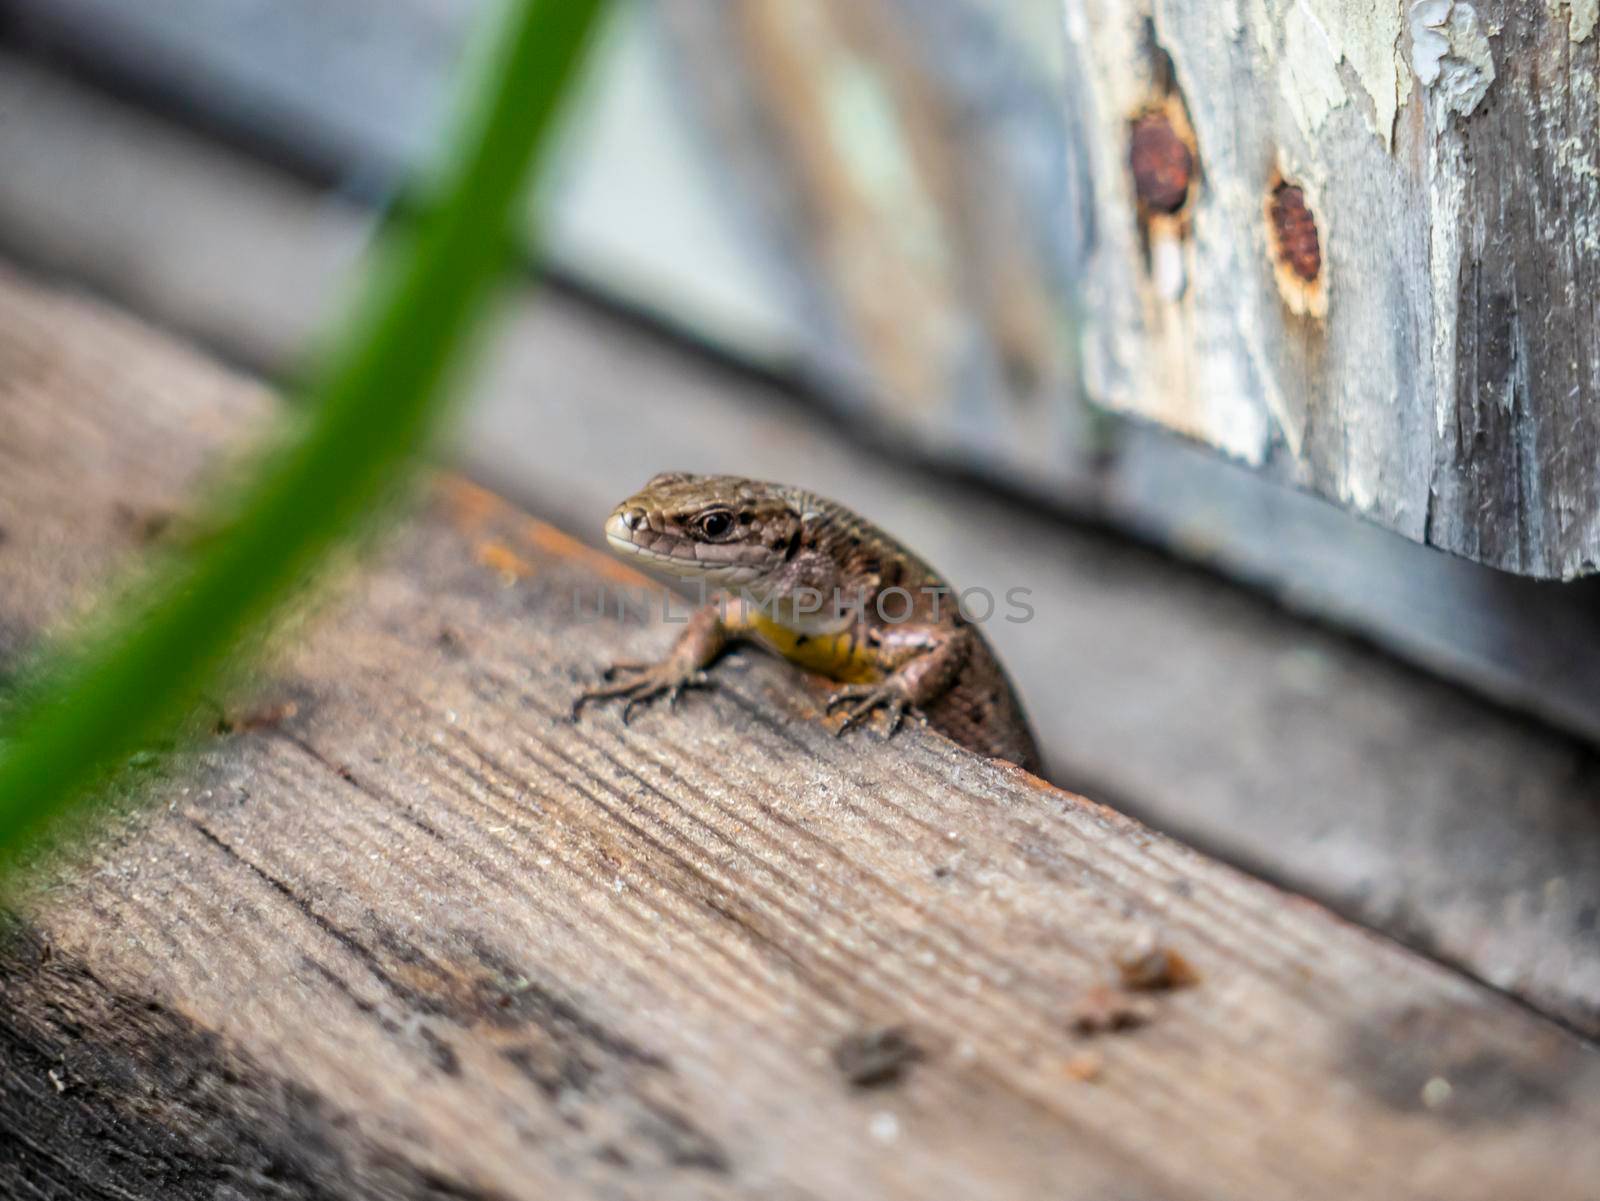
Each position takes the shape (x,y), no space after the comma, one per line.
(723,529)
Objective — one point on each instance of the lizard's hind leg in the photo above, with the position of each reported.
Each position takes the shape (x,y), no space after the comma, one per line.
(936,657)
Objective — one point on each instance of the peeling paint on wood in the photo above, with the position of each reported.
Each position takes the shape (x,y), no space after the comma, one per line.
(1450,52)
(1582,17)
(1363,35)
(1450,391)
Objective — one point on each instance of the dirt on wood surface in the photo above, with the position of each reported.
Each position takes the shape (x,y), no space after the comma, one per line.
(872,1058)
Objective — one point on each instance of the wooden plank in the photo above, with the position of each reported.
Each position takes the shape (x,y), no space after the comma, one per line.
(421,936)
(905,161)
(906,164)
(1265,739)
(944,306)
(1443,382)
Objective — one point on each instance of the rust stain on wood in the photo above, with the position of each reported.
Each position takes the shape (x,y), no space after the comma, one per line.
(1295,244)
(470,506)
(1296,231)
(552,541)
(473,508)
(1164,160)
(501,558)
(1162,163)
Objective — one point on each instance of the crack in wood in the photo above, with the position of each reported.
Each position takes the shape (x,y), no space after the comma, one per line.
(577,1063)
(112,1096)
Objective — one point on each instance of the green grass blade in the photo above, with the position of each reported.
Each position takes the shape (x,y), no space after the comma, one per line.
(378,402)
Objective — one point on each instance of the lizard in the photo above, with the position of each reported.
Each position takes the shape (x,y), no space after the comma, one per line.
(822,587)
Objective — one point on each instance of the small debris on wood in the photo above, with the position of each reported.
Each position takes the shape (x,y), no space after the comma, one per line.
(1103,1009)
(264,718)
(1153,967)
(873,1058)
(884,1128)
(451,641)
(145,525)
(1436,1092)
(1085,1066)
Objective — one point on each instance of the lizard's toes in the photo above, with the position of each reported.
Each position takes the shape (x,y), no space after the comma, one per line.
(607,692)
(695,679)
(642,695)
(848,693)
(859,701)
(637,684)
(895,712)
(858,713)
(589,696)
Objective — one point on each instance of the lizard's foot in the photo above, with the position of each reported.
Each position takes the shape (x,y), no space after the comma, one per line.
(862,699)
(641,683)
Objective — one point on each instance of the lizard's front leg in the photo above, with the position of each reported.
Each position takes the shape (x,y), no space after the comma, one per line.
(925,660)
(702,640)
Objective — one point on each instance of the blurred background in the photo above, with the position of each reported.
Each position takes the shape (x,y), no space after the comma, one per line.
(859,247)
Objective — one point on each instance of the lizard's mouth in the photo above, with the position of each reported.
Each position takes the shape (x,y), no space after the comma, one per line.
(644,543)
(621,537)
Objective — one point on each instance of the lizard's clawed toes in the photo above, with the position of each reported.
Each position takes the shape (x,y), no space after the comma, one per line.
(862,699)
(637,684)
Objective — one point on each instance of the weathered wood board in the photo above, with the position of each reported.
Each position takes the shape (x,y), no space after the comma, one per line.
(927,206)
(1262,738)
(421,936)
(1435,364)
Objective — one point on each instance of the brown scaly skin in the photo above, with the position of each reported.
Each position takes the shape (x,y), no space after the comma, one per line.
(785,555)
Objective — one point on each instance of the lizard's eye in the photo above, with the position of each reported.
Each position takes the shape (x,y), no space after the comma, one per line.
(715,524)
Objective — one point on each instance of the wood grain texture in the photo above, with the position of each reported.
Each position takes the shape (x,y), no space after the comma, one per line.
(424,937)
(1404,802)
(1447,153)
(1521,441)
